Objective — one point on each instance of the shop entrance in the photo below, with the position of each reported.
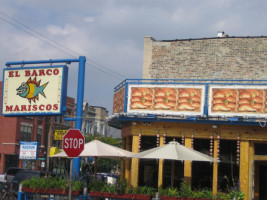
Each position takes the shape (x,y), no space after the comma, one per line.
(260,180)
(260,160)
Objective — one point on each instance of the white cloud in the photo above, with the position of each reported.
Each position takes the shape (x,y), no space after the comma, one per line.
(57,30)
(89,19)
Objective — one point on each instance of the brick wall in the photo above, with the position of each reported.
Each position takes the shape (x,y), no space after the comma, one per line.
(211,58)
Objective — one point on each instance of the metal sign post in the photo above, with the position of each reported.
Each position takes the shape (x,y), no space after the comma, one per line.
(79,111)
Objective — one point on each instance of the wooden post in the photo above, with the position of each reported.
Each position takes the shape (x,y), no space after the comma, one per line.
(244,168)
(160,173)
(128,161)
(122,174)
(135,162)
(251,171)
(188,164)
(215,169)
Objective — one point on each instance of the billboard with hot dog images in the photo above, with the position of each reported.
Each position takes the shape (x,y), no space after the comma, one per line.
(118,101)
(238,100)
(166,99)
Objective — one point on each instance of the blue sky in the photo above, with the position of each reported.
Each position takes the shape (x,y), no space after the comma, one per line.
(110,33)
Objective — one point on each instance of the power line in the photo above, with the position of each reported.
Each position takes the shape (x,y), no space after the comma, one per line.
(94,64)
(32,35)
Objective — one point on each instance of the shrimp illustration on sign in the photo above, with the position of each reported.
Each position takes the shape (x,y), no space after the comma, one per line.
(31,89)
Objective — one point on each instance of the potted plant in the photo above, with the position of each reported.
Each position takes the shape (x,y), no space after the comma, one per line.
(140,192)
(95,188)
(220,196)
(50,185)
(169,193)
(203,194)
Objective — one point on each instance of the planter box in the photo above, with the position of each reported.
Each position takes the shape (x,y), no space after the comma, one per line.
(182,198)
(142,196)
(49,191)
(95,193)
(134,196)
(65,192)
(172,198)
(120,196)
(35,190)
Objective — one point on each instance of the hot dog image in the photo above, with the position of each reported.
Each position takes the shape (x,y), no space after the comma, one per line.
(224,100)
(189,99)
(141,98)
(165,99)
(251,100)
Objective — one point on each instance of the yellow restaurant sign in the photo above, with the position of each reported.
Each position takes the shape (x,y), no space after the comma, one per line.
(59,134)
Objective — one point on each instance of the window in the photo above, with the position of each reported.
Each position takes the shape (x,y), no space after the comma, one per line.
(39,136)
(228,168)
(95,128)
(260,149)
(58,119)
(67,114)
(102,130)
(25,132)
(203,179)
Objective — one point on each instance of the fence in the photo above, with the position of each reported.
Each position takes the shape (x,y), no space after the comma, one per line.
(36,196)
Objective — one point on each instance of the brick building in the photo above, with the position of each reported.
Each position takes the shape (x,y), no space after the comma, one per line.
(156,110)
(206,58)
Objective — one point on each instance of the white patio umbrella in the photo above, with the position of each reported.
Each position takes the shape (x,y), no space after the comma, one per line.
(97,149)
(174,151)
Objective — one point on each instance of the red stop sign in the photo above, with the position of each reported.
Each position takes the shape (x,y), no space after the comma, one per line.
(73,143)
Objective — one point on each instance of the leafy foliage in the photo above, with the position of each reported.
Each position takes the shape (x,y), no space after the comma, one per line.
(96,186)
(120,188)
(50,182)
(234,192)
(185,191)
(169,192)
(117,188)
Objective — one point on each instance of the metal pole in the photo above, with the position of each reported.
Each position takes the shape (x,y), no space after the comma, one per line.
(70,179)
(42,61)
(79,110)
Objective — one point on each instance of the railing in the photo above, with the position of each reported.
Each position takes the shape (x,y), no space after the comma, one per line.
(89,196)
(38,196)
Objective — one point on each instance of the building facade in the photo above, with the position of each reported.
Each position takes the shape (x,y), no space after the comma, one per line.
(194,92)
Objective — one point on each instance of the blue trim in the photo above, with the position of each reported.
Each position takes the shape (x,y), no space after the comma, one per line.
(67,61)
(206,108)
(64,87)
(69,119)
(126,97)
(191,82)
(154,118)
